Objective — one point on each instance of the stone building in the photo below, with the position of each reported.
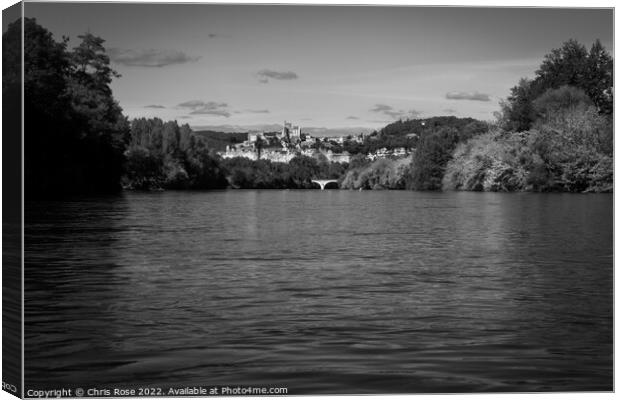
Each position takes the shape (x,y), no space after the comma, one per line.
(290,132)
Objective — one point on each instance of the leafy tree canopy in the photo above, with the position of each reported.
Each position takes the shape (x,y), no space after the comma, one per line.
(572,65)
(75,129)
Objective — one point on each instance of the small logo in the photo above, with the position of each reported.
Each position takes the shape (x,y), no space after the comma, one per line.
(8,387)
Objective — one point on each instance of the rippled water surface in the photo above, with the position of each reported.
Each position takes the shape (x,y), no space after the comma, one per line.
(321,291)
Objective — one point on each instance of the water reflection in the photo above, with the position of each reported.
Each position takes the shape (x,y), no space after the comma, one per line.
(333,292)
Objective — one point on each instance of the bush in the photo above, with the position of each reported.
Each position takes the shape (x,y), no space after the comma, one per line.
(545,160)
(380,174)
(144,170)
(490,162)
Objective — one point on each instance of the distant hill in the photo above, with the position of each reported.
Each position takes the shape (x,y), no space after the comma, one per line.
(219,140)
(407,133)
(421,127)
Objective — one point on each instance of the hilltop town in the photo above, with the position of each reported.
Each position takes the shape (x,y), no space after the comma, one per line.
(290,142)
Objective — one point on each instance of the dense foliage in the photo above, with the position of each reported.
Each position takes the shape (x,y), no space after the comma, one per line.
(439,139)
(381,174)
(427,126)
(572,65)
(164,155)
(218,141)
(555,134)
(407,133)
(373,143)
(74,129)
(569,148)
(433,153)
(244,173)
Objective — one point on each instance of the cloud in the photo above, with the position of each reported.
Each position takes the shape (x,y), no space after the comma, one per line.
(265,74)
(352,117)
(203,111)
(450,110)
(382,108)
(199,107)
(473,96)
(394,113)
(149,57)
(210,105)
(221,109)
(212,35)
(192,104)
(154,106)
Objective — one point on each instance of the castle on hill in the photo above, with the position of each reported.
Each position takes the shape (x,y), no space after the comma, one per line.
(291,133)
(282,146)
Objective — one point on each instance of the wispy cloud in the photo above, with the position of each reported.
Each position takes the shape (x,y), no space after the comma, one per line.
(382,108)
(473,96)
(265,74)
(194,104)
(199,107)
(258,111)
(154,106)
(352,117)
(394,113)
(449,110)
(203,111)
(149,57)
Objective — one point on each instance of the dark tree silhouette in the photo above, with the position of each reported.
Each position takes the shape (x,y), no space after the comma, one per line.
(74,129)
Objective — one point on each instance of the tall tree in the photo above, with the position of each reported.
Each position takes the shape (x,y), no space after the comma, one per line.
(517,111)
(74,129)
(91,65)
(566,65)
(430,159)
(98,117)
(46,103)
(599,78)
(571,65)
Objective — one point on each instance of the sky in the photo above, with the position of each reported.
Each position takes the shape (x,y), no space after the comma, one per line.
(318,66)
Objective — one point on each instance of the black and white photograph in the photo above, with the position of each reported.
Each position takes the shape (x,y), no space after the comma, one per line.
(227,199)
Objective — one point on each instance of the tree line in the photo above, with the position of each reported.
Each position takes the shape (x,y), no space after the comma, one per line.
(554,132)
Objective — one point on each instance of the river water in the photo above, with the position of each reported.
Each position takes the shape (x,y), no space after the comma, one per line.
(321,291)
